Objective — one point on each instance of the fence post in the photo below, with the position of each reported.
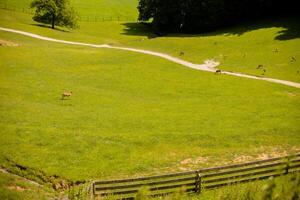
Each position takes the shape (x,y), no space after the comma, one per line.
(198,183)
(93,189)
(287,165)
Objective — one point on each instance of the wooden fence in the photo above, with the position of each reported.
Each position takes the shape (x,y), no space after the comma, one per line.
(82,18)
(195,181)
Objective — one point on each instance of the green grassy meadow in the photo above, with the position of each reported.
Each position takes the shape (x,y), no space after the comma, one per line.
(133,114)
(105,8)
(271,43)
(126,113)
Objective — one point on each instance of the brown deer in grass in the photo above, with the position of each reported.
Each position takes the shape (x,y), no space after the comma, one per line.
(66,95)
(218,72)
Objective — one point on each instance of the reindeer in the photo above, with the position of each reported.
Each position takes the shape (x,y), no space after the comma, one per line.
(66,95)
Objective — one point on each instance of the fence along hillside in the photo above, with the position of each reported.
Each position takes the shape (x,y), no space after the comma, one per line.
(195,181)
(82,18)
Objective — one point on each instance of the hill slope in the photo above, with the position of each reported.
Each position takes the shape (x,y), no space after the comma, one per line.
(271,43)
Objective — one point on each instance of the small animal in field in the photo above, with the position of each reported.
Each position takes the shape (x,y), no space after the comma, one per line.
(260,67)
(276,50)
(264,72)
(181,53)
(218,72)
(293,59)
(66,95)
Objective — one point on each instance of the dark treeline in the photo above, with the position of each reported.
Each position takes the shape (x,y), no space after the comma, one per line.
(190,16)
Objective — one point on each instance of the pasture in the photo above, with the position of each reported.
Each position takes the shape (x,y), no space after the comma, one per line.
(132,114)
(105,8)
(240,48)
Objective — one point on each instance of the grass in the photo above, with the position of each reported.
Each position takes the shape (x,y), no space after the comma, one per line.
(284,188)
(240,48)
(16,188)
(133,114)
(126,113)
(103,8)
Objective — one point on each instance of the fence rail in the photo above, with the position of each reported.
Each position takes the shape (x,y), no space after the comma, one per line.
(82,18)
(195,181)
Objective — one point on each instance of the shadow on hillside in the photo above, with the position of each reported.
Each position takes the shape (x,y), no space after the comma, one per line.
(49,27)
(291,26)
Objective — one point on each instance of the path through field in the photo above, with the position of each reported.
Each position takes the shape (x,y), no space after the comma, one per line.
(207,66)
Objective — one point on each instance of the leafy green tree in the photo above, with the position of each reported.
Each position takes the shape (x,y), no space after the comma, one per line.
(191,16)
(55,12)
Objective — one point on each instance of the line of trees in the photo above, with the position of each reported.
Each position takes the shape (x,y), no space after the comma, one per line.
(203,15)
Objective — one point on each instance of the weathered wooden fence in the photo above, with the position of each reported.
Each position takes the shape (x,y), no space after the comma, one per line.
(195,181)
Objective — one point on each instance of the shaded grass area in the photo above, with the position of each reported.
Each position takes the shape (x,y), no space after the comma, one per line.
(128,116)
(273,43)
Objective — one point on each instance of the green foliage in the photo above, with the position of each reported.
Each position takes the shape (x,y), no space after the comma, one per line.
(203,15)
(81,192)
(55,12)
(282,188)
(143,194)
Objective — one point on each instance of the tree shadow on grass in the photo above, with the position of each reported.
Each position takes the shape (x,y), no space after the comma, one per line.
(290,25)
(49,27)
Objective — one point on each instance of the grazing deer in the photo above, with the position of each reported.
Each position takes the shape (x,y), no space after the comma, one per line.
(293,59)
(218,72)
(264,72)
(181,53)
(259,67)
(276,50)
(66,95)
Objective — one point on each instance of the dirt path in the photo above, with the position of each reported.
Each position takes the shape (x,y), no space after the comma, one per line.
(207,66)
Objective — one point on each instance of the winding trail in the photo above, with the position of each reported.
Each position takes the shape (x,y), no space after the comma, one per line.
(208,66)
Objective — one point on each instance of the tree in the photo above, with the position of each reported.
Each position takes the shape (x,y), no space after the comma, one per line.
(192,16)
(55,12)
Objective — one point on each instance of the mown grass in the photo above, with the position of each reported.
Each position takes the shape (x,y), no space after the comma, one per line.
(128,116)
(272,43)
